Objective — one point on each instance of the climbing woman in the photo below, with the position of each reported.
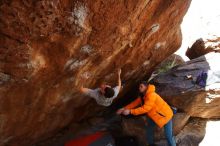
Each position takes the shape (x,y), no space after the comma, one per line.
(158,112)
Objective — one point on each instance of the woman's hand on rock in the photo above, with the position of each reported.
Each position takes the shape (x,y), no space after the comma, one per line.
(126,112)
(120,111)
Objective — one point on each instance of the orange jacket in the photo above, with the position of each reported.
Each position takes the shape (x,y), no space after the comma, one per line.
(154,106)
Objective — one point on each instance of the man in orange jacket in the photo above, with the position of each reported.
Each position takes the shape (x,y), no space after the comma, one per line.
(158,111)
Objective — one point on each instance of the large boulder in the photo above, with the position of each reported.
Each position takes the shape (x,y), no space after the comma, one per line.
(136,127)
(50,48)
(191,135)
(203,46)
(179,88)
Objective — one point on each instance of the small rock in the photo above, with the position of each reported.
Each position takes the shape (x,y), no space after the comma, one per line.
(203,46)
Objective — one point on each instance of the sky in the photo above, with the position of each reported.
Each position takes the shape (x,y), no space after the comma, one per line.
(212,134)
(201,21)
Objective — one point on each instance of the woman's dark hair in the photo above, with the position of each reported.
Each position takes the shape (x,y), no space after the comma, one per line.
(109,92)
(144,83)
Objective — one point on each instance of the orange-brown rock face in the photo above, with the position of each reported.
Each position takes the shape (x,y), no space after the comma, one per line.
(50,48)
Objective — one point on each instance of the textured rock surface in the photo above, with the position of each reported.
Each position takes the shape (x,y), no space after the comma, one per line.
(170,62)
(203,46)
(192,134)
(50,48)
(135,127)
(197,101)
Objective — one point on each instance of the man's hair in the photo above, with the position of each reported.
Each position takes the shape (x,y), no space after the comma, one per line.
(109,92)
